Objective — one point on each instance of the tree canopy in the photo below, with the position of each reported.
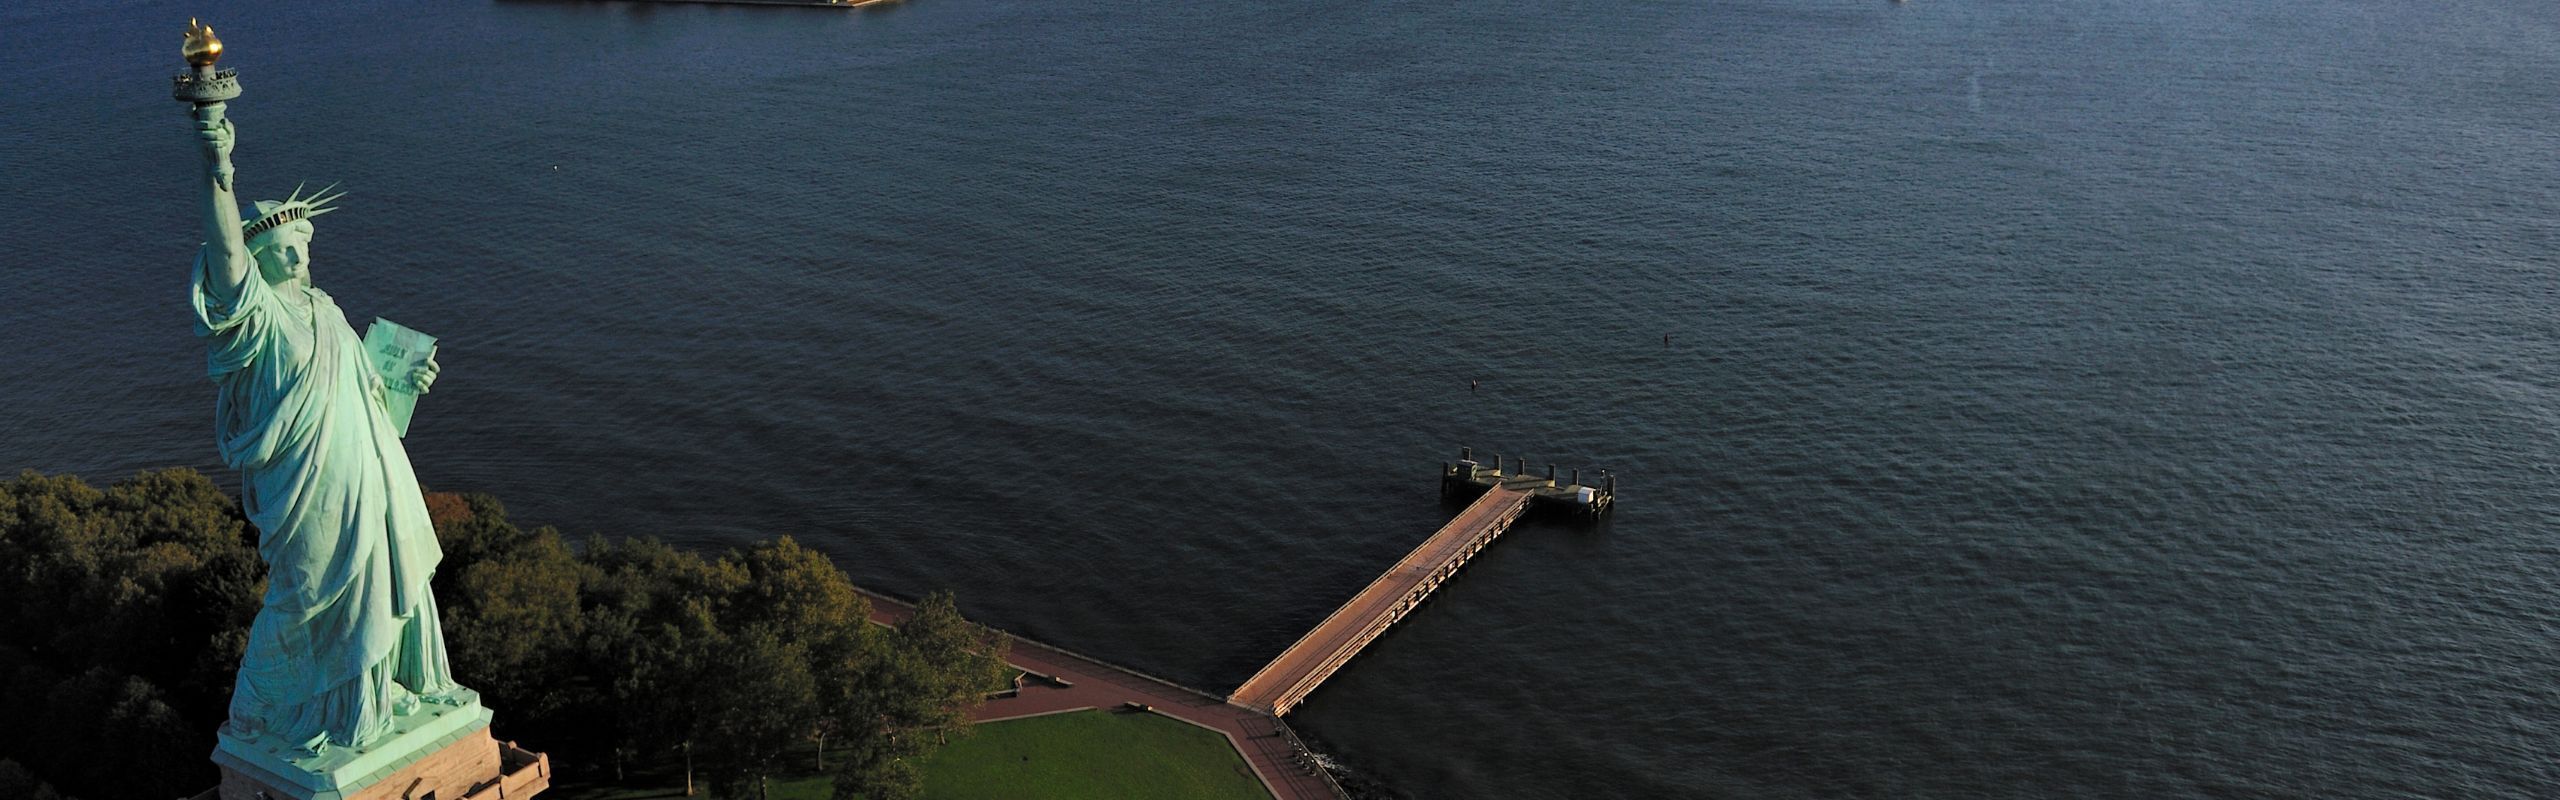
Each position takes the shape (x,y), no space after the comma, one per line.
(123,613)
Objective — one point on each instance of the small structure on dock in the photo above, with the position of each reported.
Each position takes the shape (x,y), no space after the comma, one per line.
(1466,478)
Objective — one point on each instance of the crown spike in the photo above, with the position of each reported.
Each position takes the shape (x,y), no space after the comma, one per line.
(302,204)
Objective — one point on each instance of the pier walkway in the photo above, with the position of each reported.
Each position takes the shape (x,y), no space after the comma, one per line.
(1288,679)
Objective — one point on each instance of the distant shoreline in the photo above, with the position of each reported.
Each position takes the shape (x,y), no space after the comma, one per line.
(814,3)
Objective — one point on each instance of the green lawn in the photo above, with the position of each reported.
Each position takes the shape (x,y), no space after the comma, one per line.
(1091,754)
(1083,755)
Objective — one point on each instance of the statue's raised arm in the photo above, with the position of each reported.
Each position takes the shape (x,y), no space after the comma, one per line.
(226,254)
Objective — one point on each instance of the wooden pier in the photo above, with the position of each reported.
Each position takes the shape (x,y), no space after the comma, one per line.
(1287,680)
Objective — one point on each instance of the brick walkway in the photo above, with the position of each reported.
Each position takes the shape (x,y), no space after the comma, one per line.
(1262,739)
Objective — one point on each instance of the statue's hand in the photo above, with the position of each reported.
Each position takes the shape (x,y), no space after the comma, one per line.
(215,133)
(423,376)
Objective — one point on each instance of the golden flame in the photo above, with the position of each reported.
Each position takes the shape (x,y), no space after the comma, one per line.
(202,48)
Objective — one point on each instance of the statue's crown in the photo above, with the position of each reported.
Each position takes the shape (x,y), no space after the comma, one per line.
(295,207)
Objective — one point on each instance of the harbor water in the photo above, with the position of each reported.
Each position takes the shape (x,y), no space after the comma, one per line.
(2008,399)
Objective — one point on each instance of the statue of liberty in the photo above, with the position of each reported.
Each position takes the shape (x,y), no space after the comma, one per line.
(347,642)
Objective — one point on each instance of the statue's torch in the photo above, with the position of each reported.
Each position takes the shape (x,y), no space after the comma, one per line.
(203,86)
(206,89)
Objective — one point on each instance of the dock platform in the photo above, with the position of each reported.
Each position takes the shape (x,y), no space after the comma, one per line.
(1467,476)
(1288,679)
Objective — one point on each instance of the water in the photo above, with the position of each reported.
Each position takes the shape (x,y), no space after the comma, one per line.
(2064,399)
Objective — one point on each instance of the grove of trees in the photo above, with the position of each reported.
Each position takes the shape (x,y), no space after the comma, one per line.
(123,612)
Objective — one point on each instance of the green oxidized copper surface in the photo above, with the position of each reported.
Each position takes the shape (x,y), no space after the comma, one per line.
(344,677)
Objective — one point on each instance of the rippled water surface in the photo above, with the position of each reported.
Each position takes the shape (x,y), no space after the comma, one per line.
(2062,399)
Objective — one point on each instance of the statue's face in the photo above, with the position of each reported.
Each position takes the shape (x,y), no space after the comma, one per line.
(285,253)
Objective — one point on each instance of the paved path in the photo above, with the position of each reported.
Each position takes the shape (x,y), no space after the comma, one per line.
(1261,738)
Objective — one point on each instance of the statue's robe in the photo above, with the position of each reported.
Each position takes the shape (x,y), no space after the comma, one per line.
(348,636)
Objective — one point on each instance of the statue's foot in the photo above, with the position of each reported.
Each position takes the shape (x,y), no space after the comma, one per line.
(450,696)
(404,705)
(313,747)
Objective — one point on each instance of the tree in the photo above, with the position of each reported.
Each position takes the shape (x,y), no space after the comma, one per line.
(801,595)
(759,695)
(653,623)
(797,589)
(512,621)
(960,658)
(915,689)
